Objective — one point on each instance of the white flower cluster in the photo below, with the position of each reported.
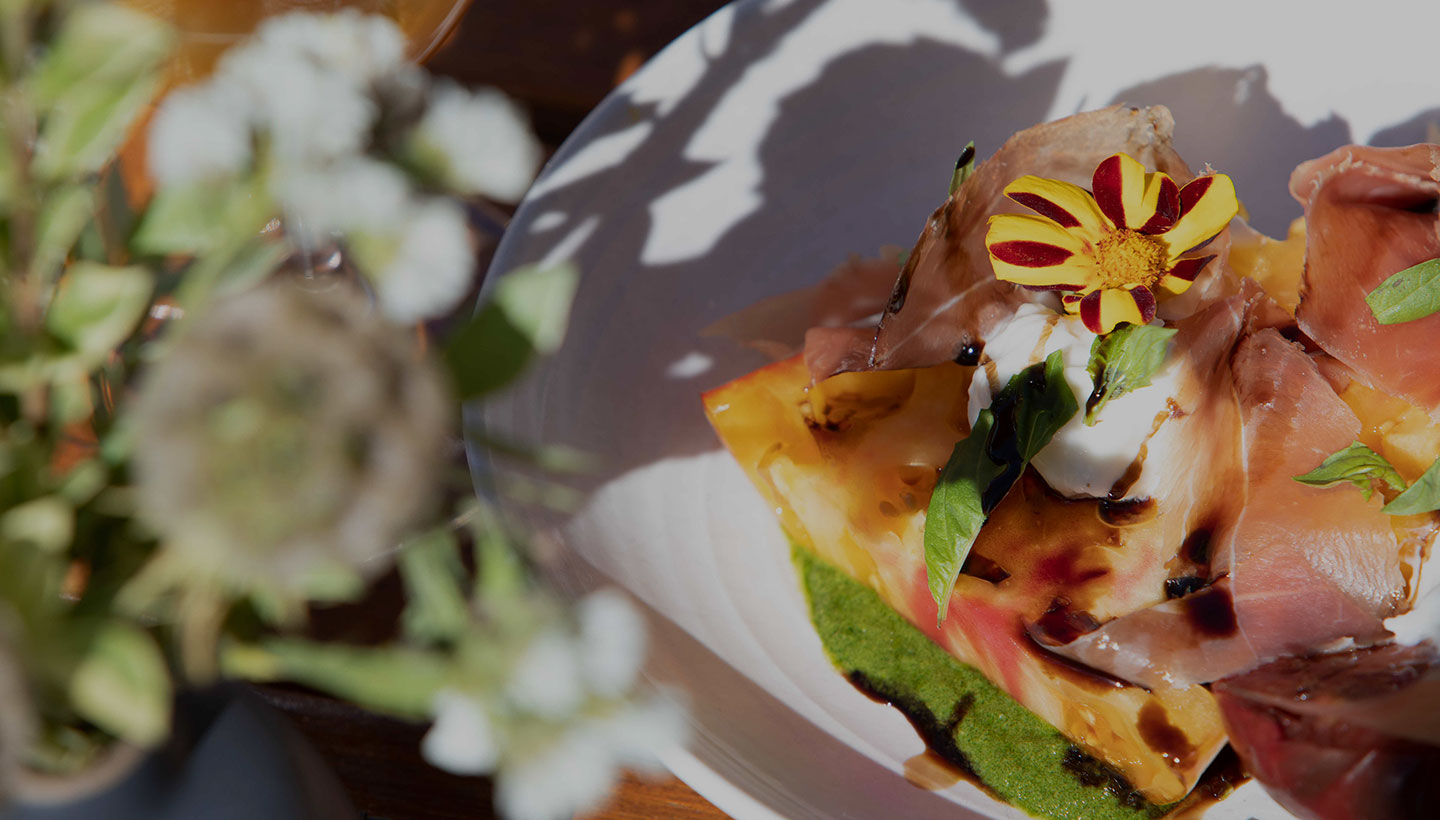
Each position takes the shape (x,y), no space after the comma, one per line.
(559,731)
(308,89)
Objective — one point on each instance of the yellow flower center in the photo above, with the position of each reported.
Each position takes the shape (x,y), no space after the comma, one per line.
(1130,258)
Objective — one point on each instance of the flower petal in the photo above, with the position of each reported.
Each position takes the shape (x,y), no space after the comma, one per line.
(1035,251)
(1070,206)
(1162,201)
(1102,310)
(1144,302)
(1119,183)
(1182,274)
(1207,204)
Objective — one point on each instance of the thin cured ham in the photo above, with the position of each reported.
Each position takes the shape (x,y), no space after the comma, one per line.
(1349,736)
(1299,567)
(947,298)
(1371,213)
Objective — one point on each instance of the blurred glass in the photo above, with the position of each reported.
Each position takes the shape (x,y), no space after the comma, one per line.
(208,27)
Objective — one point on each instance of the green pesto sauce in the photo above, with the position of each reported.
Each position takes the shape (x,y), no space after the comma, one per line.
(961,715)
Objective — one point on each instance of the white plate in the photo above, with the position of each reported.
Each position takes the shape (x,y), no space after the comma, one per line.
(753,155)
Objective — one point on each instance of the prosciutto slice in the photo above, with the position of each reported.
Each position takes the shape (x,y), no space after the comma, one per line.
(1297,568)
(1371,213)
(1348,736)
(947,297)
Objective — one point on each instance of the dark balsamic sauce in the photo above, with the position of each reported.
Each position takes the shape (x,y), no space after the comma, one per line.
(1128,512)
(1165,737)
(1060,625)
(1184,585)
(1211,611)
(1224,775)
(1093,772)
(938,734)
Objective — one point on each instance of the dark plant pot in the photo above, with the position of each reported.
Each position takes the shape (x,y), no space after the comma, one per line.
(231,757)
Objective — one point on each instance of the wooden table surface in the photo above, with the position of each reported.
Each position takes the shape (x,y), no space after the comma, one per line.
(560,58)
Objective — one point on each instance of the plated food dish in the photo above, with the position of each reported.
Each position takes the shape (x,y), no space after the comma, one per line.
(1158,485)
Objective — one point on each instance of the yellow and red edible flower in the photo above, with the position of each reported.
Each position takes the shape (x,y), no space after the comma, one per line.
(1108,253)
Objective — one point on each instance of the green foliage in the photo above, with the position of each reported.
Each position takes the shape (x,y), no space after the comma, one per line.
(93,84)
(525,317)
(957,509)
(1124,360)
(430,566)
(1356,464)
(964,167)
(122,685)
(63,216)
(98,306)
(983,467)
(203,217)
(1420,497)
(1411,294)
(395,680)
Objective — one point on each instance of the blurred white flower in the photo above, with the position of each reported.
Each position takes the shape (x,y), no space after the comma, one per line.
(546,679)
(431,267)
(571,775)
(462,740)
(200,132)
(354,194)
(612,642)
(312,113)
(640,732)
(363,47)
(483,139)
(575,773)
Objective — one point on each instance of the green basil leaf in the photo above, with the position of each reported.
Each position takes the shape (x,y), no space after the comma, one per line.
(1411,294)
(525,317)
(983,467)
(1422,496)
(1356,464)
(957,510)
(964,167)
(1123,360)
(1042,402)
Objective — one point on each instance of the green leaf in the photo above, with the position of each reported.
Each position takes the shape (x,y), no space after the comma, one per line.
(1411,294)
(92,85)
(435,608)
(203,216)
(983,467)
(396,680)
(526,316)
(123,686)
(63,215)
(1356,464)
(957,510)
(103,43)
(47,522)
(98,306)
(964,167)
(1422,496)
(1123,360)
(1042,403)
